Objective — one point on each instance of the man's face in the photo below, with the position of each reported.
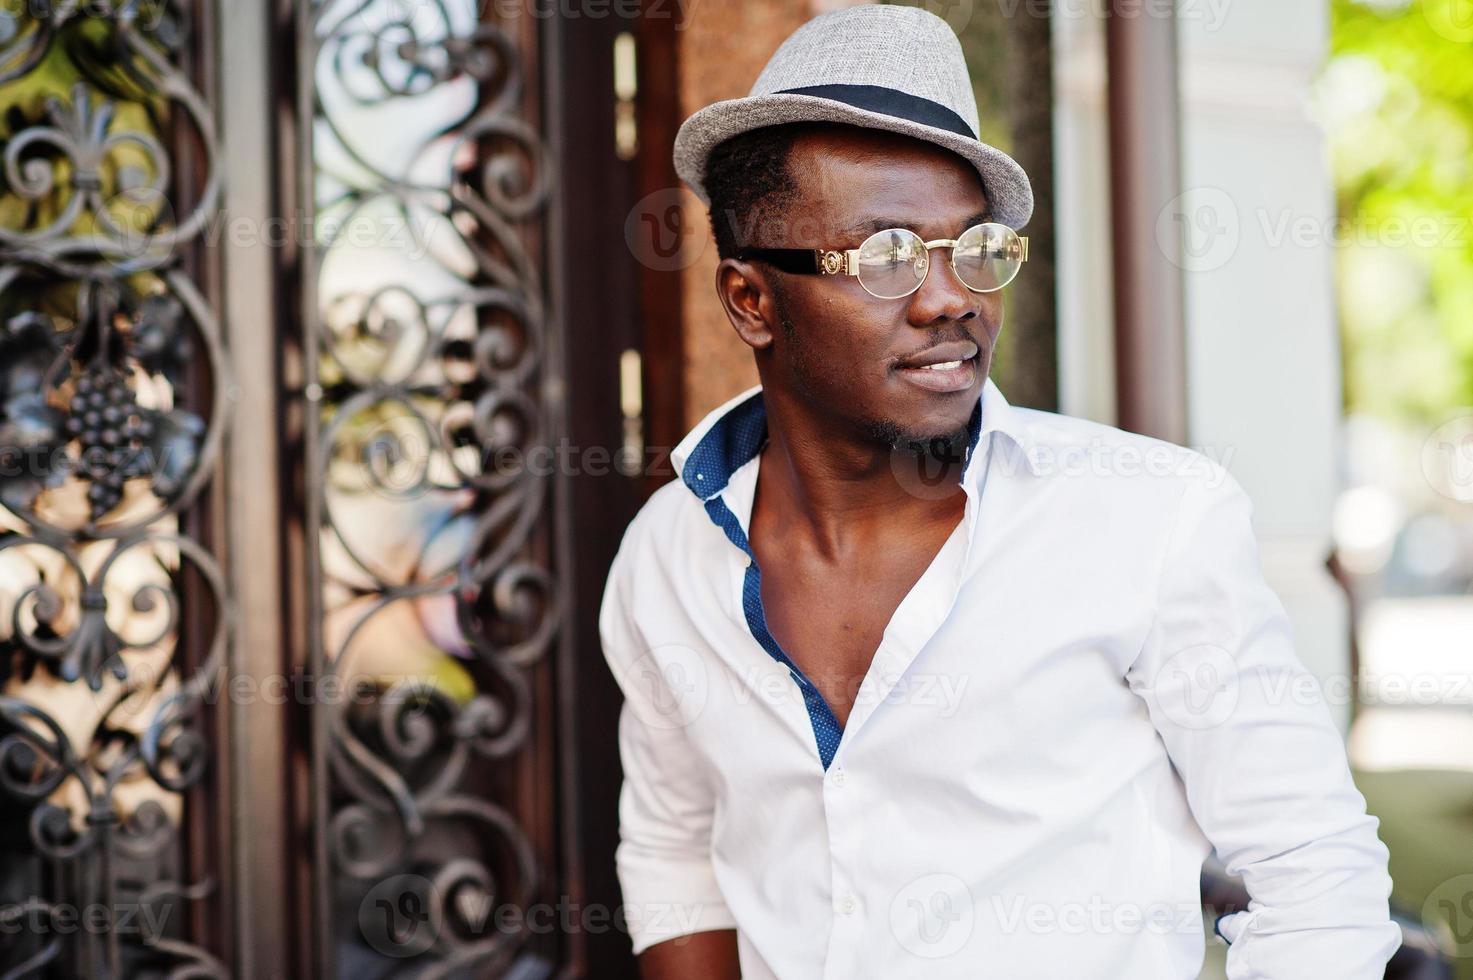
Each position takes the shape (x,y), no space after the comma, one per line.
(851,357)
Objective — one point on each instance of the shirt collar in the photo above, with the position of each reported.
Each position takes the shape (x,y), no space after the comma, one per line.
(733,433)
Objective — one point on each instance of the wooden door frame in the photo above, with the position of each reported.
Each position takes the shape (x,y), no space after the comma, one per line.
(609,303)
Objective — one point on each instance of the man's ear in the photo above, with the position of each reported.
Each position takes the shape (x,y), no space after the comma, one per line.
(746,293)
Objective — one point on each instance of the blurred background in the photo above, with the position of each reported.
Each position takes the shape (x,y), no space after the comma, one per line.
(340,339)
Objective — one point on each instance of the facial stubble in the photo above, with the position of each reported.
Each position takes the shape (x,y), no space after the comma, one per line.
(941,447)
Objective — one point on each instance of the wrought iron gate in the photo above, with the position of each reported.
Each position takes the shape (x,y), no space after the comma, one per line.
(432,588)
(282,583)
(113,407)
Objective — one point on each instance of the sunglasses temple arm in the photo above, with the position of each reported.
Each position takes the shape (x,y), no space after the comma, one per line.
(799,261)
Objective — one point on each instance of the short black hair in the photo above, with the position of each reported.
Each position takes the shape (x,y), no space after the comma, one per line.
(748,181)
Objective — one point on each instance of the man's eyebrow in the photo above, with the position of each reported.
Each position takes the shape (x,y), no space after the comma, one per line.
(980,217)
(869,227)
(872,225)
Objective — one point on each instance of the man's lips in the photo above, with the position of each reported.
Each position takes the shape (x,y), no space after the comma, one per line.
(951,366)
(951,350)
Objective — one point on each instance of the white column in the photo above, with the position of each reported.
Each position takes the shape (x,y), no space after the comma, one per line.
(1263,362)
(1082,196)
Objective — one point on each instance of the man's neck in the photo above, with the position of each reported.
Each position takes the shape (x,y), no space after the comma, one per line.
(842,491)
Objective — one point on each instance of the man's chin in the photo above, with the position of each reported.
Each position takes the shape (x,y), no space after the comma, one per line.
(947,444)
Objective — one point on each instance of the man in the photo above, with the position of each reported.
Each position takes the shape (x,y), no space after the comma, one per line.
(921,684)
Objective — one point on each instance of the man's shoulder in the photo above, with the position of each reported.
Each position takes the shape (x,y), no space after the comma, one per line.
(666,511)
(1071,446)
(669,514)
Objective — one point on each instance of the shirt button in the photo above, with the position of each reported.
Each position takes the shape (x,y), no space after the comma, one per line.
(841,778)
(848,906)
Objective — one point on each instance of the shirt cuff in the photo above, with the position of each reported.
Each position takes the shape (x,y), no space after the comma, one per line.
(665,899)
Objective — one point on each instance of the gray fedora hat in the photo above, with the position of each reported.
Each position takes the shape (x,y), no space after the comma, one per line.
(881,67)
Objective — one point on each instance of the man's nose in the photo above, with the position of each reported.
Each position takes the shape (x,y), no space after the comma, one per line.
(942,295)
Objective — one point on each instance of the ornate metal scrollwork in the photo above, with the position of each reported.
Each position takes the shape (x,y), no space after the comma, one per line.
(113,620)
(439,603)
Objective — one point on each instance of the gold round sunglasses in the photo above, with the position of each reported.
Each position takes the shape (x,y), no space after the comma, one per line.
(894,262)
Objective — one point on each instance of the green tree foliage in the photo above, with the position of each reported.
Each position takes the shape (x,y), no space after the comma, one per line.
(1397,100)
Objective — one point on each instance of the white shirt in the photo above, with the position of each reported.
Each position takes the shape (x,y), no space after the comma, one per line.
(1089,689)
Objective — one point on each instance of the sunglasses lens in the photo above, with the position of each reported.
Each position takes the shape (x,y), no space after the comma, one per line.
(892,263)
(988,257)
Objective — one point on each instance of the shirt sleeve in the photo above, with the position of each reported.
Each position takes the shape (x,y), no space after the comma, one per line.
(666,804)
(1262,760)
